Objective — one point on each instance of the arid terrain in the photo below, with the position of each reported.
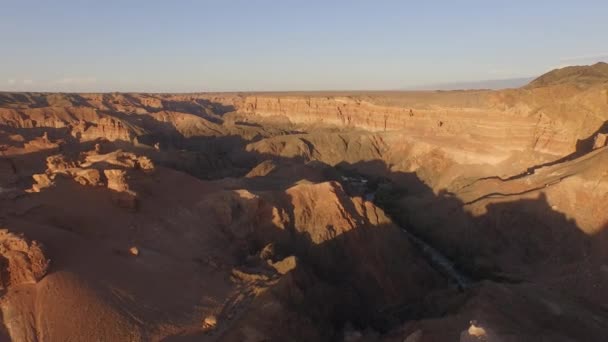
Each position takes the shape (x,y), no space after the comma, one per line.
(472,215)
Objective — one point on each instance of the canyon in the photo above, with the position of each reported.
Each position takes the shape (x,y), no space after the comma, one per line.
(466,215)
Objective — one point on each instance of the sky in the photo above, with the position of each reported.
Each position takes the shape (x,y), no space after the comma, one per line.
(257,45)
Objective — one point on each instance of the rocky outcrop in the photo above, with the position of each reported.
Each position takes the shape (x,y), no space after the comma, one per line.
(22,261)
(108,128)
(337,232)
(114,166)
(262,169)
(117,181)
(125,160)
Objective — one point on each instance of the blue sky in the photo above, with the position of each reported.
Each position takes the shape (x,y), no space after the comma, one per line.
(178,46)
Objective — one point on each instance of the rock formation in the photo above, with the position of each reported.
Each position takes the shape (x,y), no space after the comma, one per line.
(23,261)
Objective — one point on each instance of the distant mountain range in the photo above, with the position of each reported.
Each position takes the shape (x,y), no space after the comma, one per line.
(484,84)
(581,75)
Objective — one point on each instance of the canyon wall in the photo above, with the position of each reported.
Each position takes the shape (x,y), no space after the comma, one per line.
(482,126)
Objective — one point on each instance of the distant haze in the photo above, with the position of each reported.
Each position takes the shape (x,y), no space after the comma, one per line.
(486,84)
(190,46)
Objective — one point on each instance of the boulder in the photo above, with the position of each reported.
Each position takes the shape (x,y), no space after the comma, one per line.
(209,323)
(285,265)
(600,140)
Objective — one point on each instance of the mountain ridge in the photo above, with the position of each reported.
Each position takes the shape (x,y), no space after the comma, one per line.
(579,75)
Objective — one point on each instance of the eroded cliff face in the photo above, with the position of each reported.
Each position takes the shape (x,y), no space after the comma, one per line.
(478,126)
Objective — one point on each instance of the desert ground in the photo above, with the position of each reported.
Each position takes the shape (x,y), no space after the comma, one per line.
(469,215)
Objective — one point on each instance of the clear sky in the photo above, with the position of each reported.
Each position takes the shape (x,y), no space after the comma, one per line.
(153,45)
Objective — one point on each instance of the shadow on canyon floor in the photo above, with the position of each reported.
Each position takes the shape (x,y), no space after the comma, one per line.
(518,240)
(506,240)
(358,277)
(503,238)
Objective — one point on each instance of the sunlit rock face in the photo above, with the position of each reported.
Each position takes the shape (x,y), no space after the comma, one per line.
(481,126)
(387,216)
